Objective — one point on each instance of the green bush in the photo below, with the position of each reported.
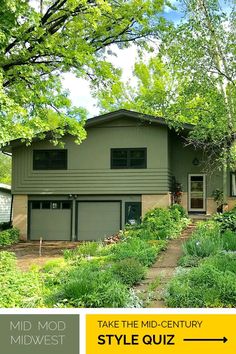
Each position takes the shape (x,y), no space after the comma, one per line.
(181,210)
(9,237)
(205,241)
(129,271)
(164,223)
(229,240)
(204,286)
(227,221)
(224,262)
(146,253)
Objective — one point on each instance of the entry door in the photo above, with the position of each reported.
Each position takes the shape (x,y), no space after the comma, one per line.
(197,192)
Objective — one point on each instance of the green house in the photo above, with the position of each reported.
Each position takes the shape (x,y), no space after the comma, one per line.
(125,167)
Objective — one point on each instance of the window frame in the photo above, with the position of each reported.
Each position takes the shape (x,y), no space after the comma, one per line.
(128,166)
(48,168)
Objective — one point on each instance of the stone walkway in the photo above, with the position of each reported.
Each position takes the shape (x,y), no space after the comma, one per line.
(162,271)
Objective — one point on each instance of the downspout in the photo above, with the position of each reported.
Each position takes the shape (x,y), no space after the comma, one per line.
(12,197)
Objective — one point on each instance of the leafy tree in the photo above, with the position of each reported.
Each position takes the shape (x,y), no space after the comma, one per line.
(193,79)
(41,40)
(5,169)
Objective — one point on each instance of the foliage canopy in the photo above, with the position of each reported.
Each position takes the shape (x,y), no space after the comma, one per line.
(41,40)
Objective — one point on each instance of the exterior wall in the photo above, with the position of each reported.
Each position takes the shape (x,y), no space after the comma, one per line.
(182,165)
(20,214)
(155,200)
(5,206)
(89,169)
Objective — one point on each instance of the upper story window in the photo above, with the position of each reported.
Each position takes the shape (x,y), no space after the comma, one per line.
(50,159)
(129,158)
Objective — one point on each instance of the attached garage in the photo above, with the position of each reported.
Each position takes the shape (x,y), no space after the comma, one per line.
(98,219)
(50,220)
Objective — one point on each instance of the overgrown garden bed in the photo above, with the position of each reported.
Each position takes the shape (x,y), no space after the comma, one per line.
(207,273)
(94,274)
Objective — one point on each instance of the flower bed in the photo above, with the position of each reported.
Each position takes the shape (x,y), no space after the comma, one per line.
(207,277)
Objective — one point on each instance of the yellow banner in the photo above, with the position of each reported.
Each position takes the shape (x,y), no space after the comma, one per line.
(165,334)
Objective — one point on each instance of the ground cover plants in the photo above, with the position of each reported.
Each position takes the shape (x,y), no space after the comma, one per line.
(207,276)
(95,274)
(9,237)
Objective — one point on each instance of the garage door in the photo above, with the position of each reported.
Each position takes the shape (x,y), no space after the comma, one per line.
(96,220)
(50,220)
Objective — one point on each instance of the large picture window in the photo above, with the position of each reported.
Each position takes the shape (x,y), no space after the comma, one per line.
(233,184)
(50,159)
(129,158)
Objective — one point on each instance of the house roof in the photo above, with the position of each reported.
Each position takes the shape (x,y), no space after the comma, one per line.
(107,117)
(130,114)
(5,187)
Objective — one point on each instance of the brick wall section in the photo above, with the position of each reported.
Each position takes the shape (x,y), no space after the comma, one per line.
(20,214)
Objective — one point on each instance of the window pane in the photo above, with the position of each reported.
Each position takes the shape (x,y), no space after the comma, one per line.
(119,154)
(197,178)
(138,163)
(35,205)
(137,154)
(45,205)
(50,159)
(132,213)
(119,163)
(55,205)
(128,158)
(65,205)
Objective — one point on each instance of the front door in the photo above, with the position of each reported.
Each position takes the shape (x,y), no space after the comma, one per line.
(197,192)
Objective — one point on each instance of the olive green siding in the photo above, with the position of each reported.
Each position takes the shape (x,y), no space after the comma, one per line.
(89,169)
(182,157)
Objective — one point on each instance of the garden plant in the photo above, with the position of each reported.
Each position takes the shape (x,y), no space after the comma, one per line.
(207,276)
(94,274)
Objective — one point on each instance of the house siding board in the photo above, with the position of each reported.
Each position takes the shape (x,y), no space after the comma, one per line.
(5,206)
(89,169)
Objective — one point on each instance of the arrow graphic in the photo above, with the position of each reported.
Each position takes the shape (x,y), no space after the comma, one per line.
(224,339)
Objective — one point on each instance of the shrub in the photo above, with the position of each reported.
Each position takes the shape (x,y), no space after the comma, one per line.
(206,240)
(224,262)
(227,221)
(9,237)
(229,240)
(204,286)
(129,271)
(146,253)
(164,223)
(181,210)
